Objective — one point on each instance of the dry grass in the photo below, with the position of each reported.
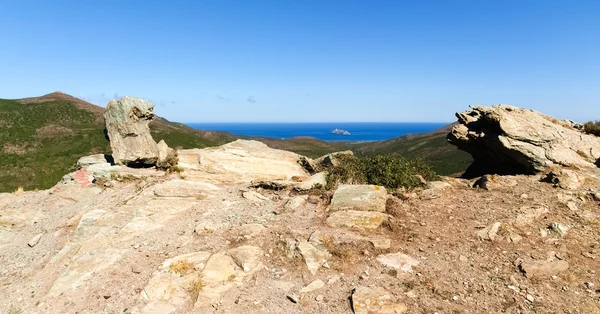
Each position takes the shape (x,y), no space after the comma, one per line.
(19,191)
(181,267)
(196,287)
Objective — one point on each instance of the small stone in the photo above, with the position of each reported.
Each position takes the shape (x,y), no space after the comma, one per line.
(293,298)
(319,298)
(596,196)
(315,285)
(454,298)
(35,240)
(589,285)
(529,298)
(463,259)
(572,206)
(490,232)
(525,196)
(559,228)
(333,279)
(515,238)
(514,288)
(543,233)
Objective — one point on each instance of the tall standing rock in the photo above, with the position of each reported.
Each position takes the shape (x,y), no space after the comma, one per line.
(127,125)
(508,140)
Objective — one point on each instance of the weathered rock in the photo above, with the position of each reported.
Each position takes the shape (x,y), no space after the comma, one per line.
(127,126)
(359,198)
(490,232)
(315,285)
(35,240)
(332,160)
(182,188)
(316,180)
(398,261)
(437,185)
(565,179)
(367,300)
(254,196)
(296,202)
(357,219)
(529,214)
(313,257)
(506,140)
(241,161)
(246,257)
(167,157)
(546,268)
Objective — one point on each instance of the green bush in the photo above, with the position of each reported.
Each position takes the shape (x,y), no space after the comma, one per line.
(592,127)
(389,170)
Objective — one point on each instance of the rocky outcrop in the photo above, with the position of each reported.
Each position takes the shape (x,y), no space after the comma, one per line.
(127,127)
(508,140)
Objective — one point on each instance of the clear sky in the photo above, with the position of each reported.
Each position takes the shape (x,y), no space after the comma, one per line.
(308,60)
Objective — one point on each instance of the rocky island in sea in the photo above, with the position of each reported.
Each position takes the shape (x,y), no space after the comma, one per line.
(340,132)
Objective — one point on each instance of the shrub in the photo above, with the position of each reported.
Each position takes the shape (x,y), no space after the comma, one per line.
(349,170)
(592,127)
(389,170)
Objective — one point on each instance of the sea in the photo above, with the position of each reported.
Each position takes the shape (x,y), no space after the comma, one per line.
(359,131)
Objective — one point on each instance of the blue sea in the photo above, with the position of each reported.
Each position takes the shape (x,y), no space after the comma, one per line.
(359,131)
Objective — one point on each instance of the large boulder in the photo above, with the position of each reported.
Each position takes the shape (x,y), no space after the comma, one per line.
(508,140)
(127,126)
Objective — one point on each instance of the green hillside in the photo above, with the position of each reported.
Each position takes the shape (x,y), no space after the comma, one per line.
(42,138)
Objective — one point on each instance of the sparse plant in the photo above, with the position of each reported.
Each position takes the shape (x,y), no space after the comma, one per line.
(181,267)
(19,190)
(592,127)
(389,170)
(196,287)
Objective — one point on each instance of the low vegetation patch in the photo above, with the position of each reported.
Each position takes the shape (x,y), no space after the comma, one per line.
(592,127)
(181,267)
(389,170)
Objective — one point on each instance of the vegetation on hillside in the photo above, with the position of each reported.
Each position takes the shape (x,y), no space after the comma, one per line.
(41,141)
(592,127)
(389,170)
(42,138)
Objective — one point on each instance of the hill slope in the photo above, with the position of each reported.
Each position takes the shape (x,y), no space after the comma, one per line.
(433,147)
(42,138)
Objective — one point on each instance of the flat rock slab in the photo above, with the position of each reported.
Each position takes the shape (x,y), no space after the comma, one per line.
(544,268)
(356,219)
(317,179)
(359,197)
(241,161)
(182,188)
(366,300)
(398,261)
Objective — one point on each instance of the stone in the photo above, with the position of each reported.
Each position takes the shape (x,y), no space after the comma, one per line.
(357,219)
(314,181)
(490,232)
(184,188)
(35,240)
(529,214)
(332,160)
(543,268)
(508,140)
(381,243)
(296,202)
(314,258)
(87,161)
(359,198)
(565,179)
(437,185)
(241,161)
(315,285)
(167,157)
(398,261)
(254,196)
(293,298)
(366,300)
(127,128)
(247,257)
(559,228)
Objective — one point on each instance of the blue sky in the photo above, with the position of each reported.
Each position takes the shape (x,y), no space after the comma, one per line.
(308,60)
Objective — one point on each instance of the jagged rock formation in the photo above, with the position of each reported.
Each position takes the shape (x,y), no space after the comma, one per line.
(506,140)
(127,122)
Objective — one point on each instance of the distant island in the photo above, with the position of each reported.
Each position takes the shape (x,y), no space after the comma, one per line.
(340,132)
